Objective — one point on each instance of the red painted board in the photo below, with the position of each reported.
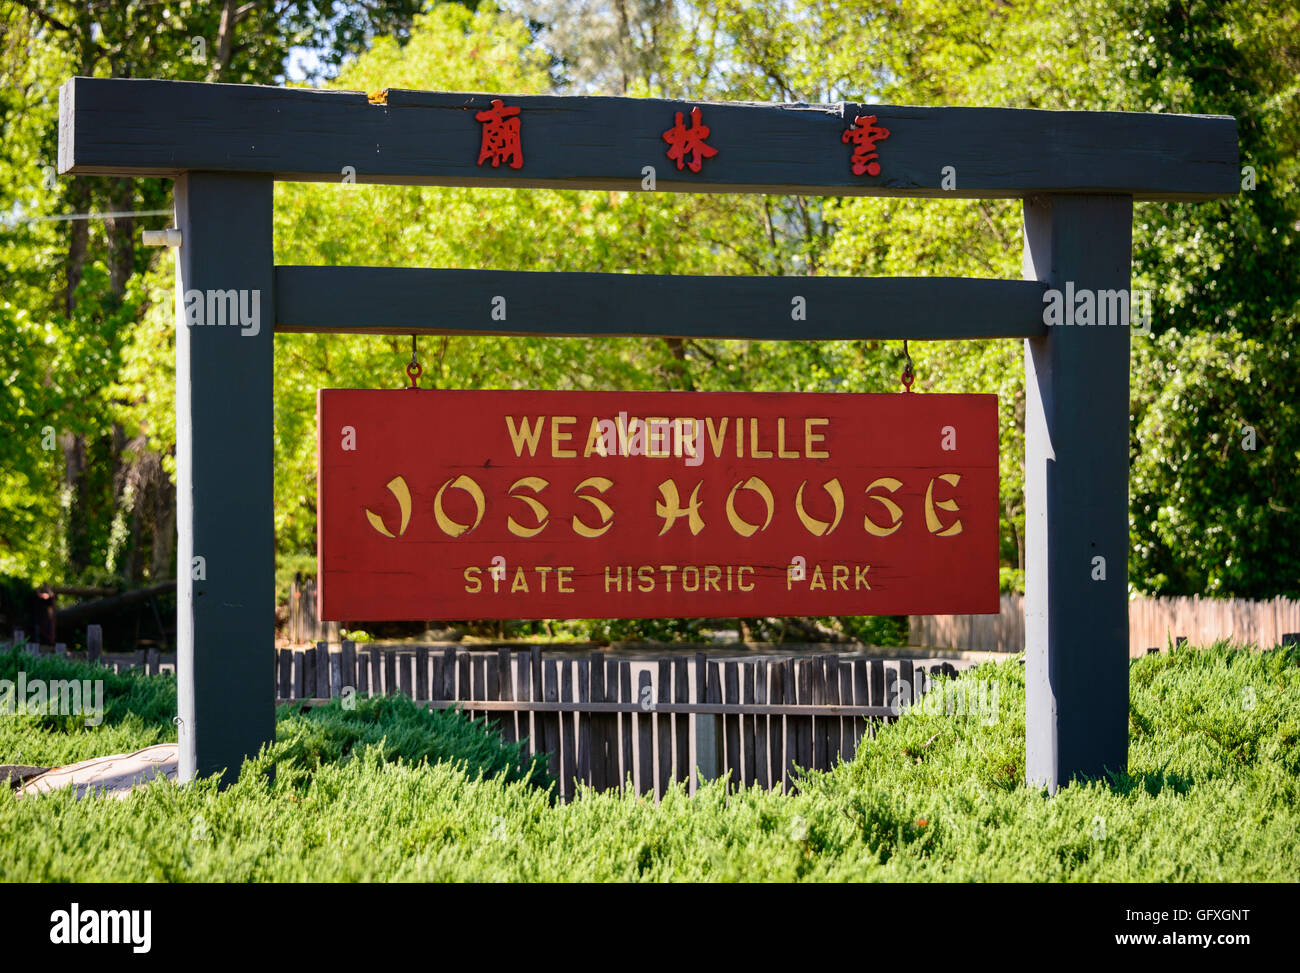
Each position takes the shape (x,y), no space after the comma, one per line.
(443,504)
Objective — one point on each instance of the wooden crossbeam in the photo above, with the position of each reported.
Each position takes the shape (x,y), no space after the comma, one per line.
(137,127)
(397,300)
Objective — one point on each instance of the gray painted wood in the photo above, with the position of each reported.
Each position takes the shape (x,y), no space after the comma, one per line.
(625,736)
(284,673)
(224,457)
(584,723)
(1076,494)
(523,668)
(422,673)
(550,731)
(599,735)
(322,670)
(644,720)
(731,724)
(748,747)
(777,733)
(136,127)
(681,724)
(709,760)
(663,728)
(348,658)
(397,300)
(762,772)
(568,738)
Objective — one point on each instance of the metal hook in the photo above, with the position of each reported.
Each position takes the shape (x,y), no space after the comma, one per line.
(908,374)
(414,370)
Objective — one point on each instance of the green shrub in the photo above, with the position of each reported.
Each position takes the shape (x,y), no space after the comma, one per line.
(390,792)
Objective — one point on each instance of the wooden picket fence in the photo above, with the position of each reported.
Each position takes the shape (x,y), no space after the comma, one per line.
(1153,624)
(644,723)
(149,661)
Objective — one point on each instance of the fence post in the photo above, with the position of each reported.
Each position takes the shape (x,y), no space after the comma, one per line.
(708,738)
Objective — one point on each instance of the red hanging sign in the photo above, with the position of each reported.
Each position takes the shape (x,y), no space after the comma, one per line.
(460,504)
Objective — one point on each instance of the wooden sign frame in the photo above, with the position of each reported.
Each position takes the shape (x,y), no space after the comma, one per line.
(1079,174)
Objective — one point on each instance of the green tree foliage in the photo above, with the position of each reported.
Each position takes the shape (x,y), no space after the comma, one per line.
(99,504)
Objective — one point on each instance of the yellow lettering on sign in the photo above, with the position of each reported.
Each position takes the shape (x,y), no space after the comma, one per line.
(671,507)
(600,484)
(525,435)
(754,451)
(810,438)
(932,521)
(557,437)
(780,442)
(819,528)
(716,436)
(450,527)
(537,485)
(895,512)
(657,447)
(596,438)
(712,575)
(738,523)
(740,572)
(839,577)
(397,487)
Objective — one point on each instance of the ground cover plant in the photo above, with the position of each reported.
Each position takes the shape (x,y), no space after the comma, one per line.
(390,791)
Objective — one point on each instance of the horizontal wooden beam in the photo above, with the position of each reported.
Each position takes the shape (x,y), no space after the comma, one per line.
(137,127)
(400,300)
(709,709)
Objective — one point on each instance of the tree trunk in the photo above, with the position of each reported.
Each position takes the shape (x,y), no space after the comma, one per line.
(164,526)
(121,238)
(225,38)
(74,481)
(79,236)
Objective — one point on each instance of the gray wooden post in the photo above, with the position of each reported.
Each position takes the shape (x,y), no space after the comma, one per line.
(1076,493)
(225,553)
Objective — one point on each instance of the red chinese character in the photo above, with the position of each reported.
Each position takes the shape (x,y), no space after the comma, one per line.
(864,135)
(500,135)
(683,140)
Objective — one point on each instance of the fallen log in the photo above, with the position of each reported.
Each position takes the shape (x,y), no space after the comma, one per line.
(90,611)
